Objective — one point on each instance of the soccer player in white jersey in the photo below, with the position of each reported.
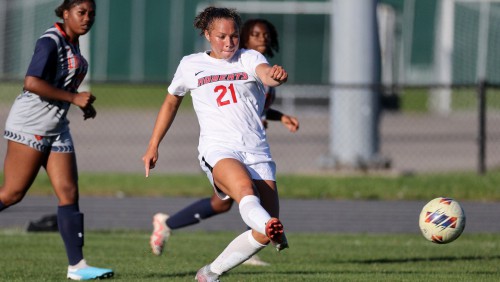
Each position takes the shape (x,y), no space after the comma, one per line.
(256,34)
(227,88)
(37,128)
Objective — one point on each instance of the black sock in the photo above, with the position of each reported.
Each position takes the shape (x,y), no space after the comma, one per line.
(70,222)
(191,214)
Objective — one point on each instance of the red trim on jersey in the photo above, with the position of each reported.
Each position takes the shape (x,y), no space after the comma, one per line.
(61,30)
(59,26)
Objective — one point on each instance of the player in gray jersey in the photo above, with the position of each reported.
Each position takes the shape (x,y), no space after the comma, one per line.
(37,129)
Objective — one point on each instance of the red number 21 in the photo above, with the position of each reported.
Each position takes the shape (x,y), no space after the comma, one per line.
(222,90)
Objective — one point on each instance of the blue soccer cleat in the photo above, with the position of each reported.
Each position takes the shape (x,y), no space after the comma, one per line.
(89,273)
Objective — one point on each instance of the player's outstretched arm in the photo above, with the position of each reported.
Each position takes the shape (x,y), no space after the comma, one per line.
(164,120)
(271,76)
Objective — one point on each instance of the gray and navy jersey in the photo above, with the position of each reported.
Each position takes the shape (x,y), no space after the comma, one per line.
(59,62)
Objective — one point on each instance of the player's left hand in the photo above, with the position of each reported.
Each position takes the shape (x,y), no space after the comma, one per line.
(292,123)
(150,158)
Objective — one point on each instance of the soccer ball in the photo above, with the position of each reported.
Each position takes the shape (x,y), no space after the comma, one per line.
(442,220)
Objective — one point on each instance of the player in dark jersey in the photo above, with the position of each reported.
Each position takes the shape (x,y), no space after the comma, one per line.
(260,35)
(37,128)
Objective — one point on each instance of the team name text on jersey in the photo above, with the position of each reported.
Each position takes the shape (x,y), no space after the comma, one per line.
(222,77)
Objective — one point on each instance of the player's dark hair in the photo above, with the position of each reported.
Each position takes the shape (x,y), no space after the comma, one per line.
(246,30)
(67,5)
(205,18)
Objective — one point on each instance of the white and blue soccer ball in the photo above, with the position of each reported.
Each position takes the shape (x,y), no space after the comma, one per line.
(442,220)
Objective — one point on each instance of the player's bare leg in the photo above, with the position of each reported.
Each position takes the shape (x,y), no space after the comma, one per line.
(270,201)
(232,177)
(21,167)
(240,187)
(62,171)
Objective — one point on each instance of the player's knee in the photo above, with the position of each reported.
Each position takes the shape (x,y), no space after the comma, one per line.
(222,206)
(67,194)
(11,198)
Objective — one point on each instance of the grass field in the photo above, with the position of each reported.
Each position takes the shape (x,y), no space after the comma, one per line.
(312,257)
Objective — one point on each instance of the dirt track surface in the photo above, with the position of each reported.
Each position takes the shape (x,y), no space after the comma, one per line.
(297,215)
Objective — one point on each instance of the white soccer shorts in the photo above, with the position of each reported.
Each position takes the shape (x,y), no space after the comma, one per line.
(260,166)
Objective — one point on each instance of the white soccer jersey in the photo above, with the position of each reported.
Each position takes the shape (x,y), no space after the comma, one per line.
(228,98)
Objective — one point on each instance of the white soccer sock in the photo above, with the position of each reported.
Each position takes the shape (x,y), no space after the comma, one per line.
(253,214)
(80,265)
(239,250)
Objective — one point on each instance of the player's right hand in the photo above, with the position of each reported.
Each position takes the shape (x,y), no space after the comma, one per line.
(149,160)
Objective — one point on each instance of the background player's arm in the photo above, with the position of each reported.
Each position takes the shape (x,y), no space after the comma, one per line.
(164,120)
(290,122)
(43,89)
(272,114)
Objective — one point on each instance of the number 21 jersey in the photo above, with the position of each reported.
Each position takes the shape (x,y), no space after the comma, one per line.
(228,99)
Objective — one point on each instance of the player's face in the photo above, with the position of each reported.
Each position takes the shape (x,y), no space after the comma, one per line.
(79,19)
(259,38)
(224,38)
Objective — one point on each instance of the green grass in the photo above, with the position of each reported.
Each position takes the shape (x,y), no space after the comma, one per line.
(415,100)
(312,257)
(461,186)
(109,95)
(150,96)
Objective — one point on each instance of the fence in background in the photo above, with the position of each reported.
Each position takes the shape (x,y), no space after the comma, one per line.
(424,44)
(412,138)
